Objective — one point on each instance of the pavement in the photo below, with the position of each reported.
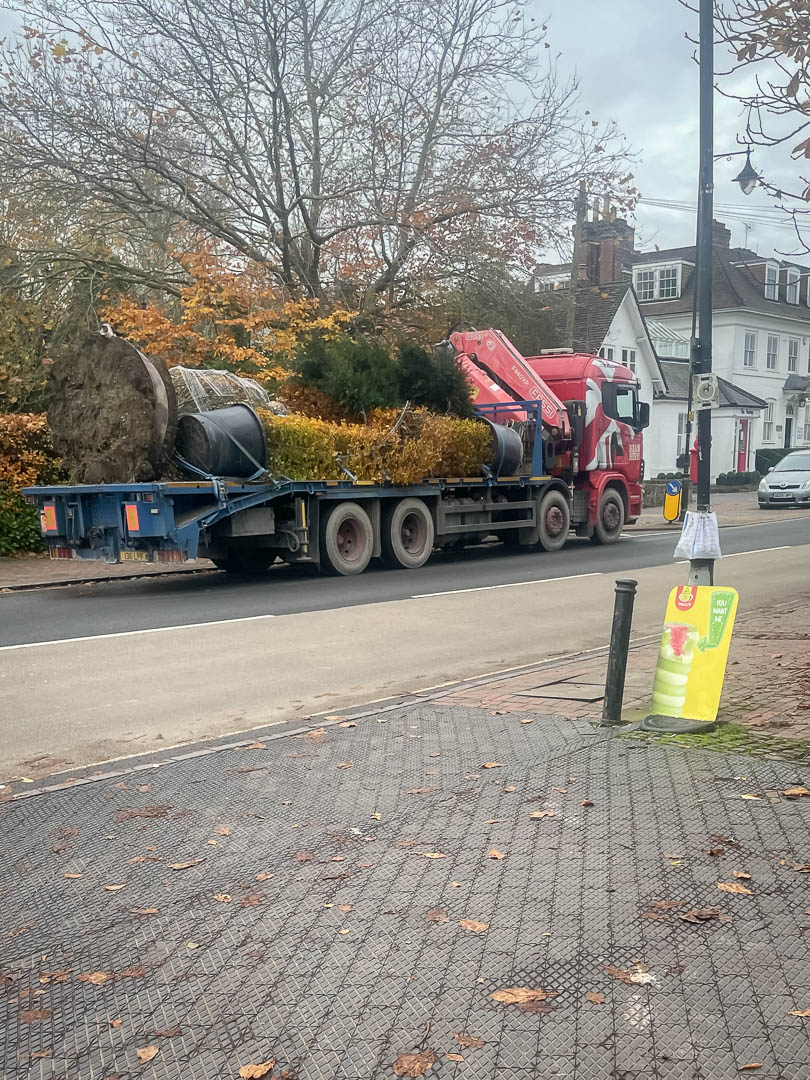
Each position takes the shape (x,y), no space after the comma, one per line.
(38,571)
(427,889)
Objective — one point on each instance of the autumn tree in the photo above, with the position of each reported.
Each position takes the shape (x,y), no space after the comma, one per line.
(770,77)
(351,144)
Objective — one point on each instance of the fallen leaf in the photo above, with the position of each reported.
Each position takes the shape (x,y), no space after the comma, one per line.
(254,746)
(114,888)
(96,978)
(596,999)
(144,911)
(455,884)
(364,865)
(338,858)
(255,1072)
(146,1053)
(72,877)
(510,789)
(212,841)
(42,1054)
(473,926)
(192,944)
(562,790)
(437,915)
(800,868)
(470,1041)
(734,887)
(750,796)
(796,792)
(799,1012)
(666,905)
(222,830)
(433,854)
(377,816)
(741,875)
(422,790)
(672,856)
(116,1023)
(495,821)
(335,716)
(222,898)
(638,975)
(313,736)
(142,812)
(303,856)
(186,865)
(541,813)
(717,852)
(32,1016)
(347,724)
(264,876)
(144,859)
(492,765)
(46,977)
(251,900)
(143,787)
(493,853)
(169,1033)
(57,849)
(414,1064)
(345,930)
(345,907)
(133,972)
(750,1067)
(522,995)
(586,802)
(527,720)
(700,915)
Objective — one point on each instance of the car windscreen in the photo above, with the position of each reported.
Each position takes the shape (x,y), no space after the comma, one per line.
(794,463)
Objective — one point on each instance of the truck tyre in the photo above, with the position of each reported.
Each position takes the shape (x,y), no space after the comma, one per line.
(407,534)
(610,518)
(249,561)
(347,539)
(554,521)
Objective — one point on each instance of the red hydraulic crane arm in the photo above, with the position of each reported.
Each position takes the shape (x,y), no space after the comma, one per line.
(493,353)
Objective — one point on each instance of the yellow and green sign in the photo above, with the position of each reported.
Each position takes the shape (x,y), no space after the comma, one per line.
(694,651)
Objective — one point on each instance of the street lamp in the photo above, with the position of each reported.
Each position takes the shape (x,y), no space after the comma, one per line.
(748,177)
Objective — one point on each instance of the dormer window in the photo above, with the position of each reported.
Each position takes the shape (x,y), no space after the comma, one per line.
(792,288)
(772,281)
(657,282)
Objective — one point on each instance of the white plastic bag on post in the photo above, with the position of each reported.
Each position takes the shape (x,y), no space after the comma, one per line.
(700,538)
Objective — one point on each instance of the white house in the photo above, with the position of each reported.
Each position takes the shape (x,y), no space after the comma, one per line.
(761,344)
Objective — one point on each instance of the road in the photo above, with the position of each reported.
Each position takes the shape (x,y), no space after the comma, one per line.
(90,673)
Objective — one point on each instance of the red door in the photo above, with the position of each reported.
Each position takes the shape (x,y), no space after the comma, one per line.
(742,445)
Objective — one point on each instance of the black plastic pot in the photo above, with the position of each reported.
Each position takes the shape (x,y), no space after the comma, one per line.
(222,442)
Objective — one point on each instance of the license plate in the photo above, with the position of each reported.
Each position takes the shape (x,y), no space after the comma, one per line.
(134,556)
(781,495)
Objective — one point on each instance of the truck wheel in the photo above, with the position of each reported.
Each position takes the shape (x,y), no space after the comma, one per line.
(554,521)
(407,534)
(347,539)
(245,562)
(610,518)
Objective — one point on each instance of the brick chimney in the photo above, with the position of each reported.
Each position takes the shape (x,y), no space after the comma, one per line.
(721,235)
(608,245)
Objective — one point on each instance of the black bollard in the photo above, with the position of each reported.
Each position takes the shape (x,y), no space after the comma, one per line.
(619,644)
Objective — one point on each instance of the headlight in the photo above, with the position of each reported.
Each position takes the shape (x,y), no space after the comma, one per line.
(763,484)
(806,485)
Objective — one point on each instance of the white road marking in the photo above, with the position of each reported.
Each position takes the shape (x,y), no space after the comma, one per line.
(133,633)
(760,551)
(509,585)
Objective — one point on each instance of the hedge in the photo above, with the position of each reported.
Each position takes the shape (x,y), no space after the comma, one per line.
(26,457)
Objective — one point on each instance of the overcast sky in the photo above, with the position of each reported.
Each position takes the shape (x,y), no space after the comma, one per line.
(636,67)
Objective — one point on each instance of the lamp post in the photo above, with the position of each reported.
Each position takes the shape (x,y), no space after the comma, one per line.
(748,177)
(702,570)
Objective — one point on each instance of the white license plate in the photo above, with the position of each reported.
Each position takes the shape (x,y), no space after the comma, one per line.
(781,495)
(134,556)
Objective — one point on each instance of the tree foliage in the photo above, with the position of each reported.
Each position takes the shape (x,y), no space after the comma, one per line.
(26,458)
(434,380)
(339,142)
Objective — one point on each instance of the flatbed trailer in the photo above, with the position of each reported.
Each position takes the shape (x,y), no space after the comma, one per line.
(337,525)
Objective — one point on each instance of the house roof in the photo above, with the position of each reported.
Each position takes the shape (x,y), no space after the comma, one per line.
(734,284)
(797,384)
(731,396)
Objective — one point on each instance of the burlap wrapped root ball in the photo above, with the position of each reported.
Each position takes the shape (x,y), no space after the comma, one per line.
(422,445)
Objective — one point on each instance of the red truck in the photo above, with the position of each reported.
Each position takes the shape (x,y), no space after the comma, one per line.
(567,454)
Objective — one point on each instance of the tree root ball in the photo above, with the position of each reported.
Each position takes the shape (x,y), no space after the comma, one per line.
(114,412)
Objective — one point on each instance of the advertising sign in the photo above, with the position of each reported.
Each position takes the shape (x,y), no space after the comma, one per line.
(694,651)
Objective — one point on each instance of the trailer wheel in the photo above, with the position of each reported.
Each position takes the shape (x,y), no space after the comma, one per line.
(407,534)
(347,539)
(249,561)
(554,521)
(610,518)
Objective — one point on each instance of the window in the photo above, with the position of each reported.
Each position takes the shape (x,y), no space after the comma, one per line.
(792,291)
(793,354)
(645,284)
(807,423)
(668,283)
(772,281)
(658,283)
(767,423)
(750,350)
(629,359)
(681,434)
(772,353)
(606,352)
(619,402)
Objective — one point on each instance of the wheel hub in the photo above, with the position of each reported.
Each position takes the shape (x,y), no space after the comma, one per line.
(348,540)
(555,521)
(412,533)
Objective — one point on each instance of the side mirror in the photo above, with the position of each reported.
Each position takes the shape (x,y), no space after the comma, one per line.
(643,415)
(771,469)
